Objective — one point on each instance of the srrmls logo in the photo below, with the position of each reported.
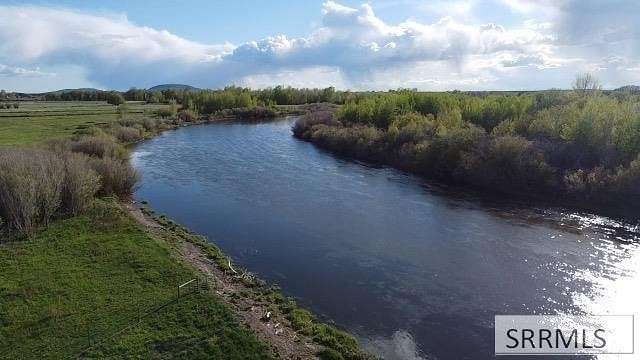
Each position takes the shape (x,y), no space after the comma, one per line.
(564,334)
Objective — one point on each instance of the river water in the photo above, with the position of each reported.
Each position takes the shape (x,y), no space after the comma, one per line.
(414,270)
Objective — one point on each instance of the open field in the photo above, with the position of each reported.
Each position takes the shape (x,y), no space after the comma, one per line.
(37,121)
(83,279)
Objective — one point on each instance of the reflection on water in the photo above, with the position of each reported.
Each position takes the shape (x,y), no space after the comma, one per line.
(416,271)
(400,346)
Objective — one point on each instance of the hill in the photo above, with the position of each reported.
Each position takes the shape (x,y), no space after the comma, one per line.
(635,89)
(164,87)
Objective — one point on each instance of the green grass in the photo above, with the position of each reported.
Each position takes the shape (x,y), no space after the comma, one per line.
(84,278)
(35,122)
(81,280)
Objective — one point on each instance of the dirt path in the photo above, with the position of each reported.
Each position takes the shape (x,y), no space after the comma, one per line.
(268,324)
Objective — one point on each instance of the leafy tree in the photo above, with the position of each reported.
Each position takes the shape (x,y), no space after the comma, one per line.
(115,98)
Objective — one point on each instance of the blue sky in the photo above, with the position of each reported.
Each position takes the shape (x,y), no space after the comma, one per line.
(245,20)
(431,44)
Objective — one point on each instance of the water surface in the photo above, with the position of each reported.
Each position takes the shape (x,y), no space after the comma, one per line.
(415,271)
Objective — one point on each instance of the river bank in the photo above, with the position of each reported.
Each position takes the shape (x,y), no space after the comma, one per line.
(98,262)
(291,331)
(513,167)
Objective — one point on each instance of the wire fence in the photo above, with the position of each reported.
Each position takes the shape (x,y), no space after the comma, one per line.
(195,285)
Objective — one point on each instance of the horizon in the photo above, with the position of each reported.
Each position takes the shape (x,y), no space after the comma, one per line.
(284,85)
(467,45)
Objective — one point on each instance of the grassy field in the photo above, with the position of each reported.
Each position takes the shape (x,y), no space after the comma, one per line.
(82,279)
(34,122)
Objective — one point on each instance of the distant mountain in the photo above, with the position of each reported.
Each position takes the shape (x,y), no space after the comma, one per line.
(173,87)
(79,89)
(634,89)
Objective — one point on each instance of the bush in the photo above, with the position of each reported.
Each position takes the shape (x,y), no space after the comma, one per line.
(80,185)
(187,115)
(359,141)
(304,123)
(507,164)
(150,125)
(164,113)
(123,110)
(117,177)
(441,156)
(114,98)
(126,134)
(99,146)
(626,181)
(412,128)
(30,188)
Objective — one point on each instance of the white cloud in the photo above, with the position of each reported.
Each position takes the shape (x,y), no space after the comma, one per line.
(351,48)
(13,71)
(34,33)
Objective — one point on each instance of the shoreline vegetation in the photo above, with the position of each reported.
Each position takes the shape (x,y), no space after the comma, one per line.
(579,148)
(70,241)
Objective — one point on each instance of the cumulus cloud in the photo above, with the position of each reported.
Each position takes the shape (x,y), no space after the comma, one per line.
(356,40)
(31,33)
(21,72)
(351,48)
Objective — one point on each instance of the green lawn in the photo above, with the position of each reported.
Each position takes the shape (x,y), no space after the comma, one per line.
(34,122)
(82,279)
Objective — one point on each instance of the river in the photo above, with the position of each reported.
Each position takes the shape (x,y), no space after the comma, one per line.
(414,270)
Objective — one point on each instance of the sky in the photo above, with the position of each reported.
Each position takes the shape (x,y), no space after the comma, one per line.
(376,45)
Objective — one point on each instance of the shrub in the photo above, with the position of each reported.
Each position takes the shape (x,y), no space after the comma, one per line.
(114,98)
(80,185)
(412,127)
(126,134)
(441,156)
(575,181)
(117,177)
(187,115)
(58,146)
(304,123)
(50,181)
(507,164)
(546,124)
(123,110)
(359,141)
(164,113)
(150,125)
(99,146)
(30,187)
(626,180)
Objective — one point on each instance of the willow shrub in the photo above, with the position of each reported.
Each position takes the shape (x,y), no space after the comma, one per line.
(81,183)
(117,177)
(63,178)
(31,187)
(99,146)
(127,134)
(508,163)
